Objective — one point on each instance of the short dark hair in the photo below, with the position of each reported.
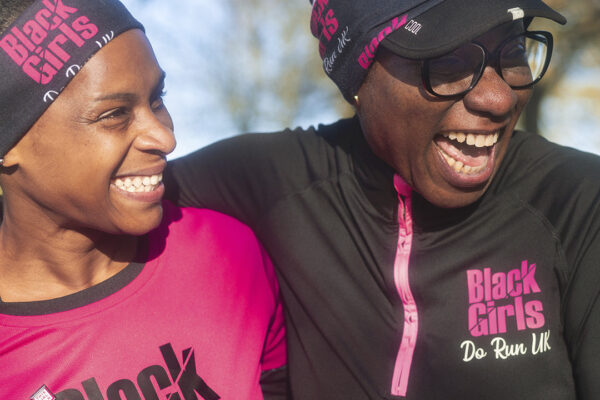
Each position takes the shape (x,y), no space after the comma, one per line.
(10,11)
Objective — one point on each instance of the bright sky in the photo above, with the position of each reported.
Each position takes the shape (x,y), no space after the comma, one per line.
(572,119)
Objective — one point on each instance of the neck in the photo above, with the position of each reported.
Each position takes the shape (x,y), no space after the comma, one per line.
(41,261)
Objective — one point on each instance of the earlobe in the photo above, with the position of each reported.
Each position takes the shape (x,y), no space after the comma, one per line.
(10,159)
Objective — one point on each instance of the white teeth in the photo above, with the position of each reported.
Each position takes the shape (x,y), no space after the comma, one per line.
(460,167)
(474,139)
(138,184)
(470,139)
(480,141)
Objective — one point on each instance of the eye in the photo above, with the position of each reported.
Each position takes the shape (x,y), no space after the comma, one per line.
(157,100)
(115,113)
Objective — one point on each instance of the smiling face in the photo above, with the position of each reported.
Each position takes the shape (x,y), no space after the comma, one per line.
(94,159)
(448,150)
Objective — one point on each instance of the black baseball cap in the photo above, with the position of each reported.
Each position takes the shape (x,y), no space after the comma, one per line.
(351,31)
(452,23)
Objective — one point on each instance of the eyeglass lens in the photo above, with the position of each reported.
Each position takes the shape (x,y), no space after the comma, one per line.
(521,61)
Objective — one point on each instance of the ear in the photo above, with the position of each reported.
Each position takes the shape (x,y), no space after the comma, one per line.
(12,158)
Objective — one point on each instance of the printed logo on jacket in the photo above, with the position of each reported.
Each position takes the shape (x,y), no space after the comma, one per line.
(501,303)
(177,379)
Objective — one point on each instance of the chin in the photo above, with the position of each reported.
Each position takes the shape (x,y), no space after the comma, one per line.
(141,225)
(455,199)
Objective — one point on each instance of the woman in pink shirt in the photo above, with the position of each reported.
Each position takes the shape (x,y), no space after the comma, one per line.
(107,292)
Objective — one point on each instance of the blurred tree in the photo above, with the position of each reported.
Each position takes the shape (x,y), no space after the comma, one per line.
(259,62)
(575,44)
(272,68)
(256,59)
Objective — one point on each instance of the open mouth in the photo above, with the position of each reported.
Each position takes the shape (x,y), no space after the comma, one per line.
(467,158)
(138,184)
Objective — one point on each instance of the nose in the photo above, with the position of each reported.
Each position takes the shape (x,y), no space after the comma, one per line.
(155,135)
(491,96)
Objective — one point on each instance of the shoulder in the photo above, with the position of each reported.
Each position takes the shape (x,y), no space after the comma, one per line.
(535,166)
(561,184)
(203,228)
(290,148)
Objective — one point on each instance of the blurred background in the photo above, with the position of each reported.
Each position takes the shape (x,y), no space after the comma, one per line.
(237,66)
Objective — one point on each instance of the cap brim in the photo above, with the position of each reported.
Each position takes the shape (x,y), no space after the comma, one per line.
(431,35)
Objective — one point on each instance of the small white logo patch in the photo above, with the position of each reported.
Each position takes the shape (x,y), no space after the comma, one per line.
(43,393)
(517,13)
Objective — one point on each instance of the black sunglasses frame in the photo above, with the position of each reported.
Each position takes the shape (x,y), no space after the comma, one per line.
(491,58)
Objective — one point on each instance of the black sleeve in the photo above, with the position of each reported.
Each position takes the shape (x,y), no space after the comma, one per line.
(218,177)
(274,384)
(246,175)
(582,316)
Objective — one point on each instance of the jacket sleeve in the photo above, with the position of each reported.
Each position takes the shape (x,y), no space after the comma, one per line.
(218,177)
(582,317)
(245,176)
(273,379)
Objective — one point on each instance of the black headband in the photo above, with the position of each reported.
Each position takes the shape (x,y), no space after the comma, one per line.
(44,49)
(351,31)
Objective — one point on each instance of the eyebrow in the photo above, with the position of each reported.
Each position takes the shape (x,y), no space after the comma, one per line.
(131,96)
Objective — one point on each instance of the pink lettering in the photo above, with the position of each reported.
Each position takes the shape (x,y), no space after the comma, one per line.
(528,278)
(331,22)
(513,285)
(56,49)
(486,290)
(371,48)
(58,7)
(41,18)
(23,38)
(475,285)
(535,318)
(14,49)
(499,286)
(487,283)
(44,76)
(85,28)
(477,326)
(35,32)
(503,313)
(519,313)
(71,34)
(492,318)
(56,63)
(364,61)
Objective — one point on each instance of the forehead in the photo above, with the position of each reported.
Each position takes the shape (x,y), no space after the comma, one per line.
(126,63)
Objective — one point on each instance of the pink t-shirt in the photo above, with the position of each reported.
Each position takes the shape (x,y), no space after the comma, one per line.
(201,320)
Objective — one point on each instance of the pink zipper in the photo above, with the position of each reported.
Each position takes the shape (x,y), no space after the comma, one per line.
(411,317)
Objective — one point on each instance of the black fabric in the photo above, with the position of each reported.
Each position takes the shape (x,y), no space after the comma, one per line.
(44,49)
(430,35)
(274,385)
(325,209)
(350,32)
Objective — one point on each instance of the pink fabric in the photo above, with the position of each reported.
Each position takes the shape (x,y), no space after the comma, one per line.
(204,310)
(401,267)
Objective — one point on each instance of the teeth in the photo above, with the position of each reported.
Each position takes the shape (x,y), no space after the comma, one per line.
(459,166)
(138,184)
(473,139)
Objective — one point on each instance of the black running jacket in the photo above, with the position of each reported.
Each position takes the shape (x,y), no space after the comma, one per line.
(390,297)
